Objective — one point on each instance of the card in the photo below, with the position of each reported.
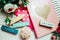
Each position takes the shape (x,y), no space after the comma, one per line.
(50,14)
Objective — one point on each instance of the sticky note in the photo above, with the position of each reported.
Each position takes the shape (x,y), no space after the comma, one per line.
(20,24)
(47,24)
(8,29)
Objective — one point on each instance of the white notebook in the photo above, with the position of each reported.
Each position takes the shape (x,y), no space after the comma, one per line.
(56,4)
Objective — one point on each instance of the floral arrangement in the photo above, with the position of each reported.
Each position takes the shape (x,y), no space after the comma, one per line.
(56,34)
(9,7)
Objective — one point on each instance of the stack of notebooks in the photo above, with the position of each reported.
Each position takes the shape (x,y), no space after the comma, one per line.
(45,11)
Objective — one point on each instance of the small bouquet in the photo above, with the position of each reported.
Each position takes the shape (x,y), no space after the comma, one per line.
(56,34)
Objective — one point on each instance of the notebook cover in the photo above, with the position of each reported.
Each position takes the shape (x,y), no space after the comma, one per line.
(52,17)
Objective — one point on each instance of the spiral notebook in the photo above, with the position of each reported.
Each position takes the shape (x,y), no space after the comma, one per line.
(56,4)
(49,16)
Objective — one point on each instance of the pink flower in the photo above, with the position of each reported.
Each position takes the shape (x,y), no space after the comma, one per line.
(10,9)
(58,29)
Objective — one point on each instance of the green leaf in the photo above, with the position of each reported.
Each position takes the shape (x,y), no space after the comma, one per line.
(56,34)
(7,20)
(25,3)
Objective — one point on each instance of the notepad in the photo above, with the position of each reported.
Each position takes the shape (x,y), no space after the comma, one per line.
(56,4)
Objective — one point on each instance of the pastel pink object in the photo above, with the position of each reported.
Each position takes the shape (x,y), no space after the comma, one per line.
(41,31)
(18,11)
(25,14)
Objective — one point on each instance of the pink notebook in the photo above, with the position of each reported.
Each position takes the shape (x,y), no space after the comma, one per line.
(41,31)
